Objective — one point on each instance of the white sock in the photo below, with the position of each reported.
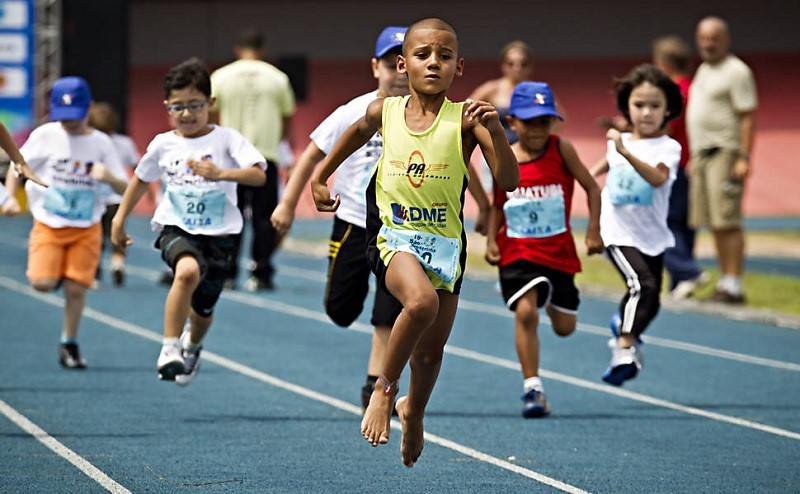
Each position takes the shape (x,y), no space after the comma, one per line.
(170,342)
(532,383)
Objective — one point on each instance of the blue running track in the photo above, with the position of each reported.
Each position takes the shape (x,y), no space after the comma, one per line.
(275,408)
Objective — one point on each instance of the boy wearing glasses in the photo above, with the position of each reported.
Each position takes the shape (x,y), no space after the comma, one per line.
(201,164)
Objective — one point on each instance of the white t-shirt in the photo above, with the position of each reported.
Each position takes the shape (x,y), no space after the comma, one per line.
(634,213)
(354,174)
(192,203)
(128,156)
(74,198)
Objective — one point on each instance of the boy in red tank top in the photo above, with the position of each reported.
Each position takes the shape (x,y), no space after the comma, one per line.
(529,234)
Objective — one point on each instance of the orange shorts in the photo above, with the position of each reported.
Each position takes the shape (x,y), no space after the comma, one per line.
(56,253)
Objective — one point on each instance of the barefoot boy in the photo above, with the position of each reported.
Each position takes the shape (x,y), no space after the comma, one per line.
(416,240)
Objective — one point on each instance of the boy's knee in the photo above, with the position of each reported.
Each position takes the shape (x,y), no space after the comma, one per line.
(422,310)
(187,270)
(44,285)
(527,316)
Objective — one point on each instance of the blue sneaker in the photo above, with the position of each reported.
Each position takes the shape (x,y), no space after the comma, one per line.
(625,363)
(534,404)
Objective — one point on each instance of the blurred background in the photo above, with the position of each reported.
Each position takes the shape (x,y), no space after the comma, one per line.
(124,47)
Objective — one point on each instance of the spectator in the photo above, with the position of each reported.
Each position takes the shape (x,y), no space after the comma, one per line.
(673,56)
(255,98)
(721,125)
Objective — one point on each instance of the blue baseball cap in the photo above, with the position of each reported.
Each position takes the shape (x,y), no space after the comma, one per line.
(70,99)
(531,100)
(391,37)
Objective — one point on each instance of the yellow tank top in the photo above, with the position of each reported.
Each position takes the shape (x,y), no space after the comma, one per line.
(420,180)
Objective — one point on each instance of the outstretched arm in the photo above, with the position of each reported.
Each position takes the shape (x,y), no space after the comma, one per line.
(594,242)
(353,138)
(283,216)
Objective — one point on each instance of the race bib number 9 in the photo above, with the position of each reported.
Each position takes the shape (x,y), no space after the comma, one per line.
(198,208)
(535,218)
(70,204)
(436,253)
(626,186)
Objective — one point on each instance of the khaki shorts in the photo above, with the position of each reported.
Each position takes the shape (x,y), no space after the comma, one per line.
(715,199)
(56,253)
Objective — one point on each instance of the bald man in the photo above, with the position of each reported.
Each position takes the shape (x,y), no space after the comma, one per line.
(721,125)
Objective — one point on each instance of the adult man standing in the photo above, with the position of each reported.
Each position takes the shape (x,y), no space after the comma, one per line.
(256,98)
(674,57)
(721,125)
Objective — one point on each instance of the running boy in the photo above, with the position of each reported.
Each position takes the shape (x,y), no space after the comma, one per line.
(348,269)
(64,243)
(416,240)
(642,165)
(201,163)
(530,236)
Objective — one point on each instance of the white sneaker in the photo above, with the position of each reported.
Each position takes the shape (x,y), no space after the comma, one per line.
(170,363)
(686,288)
(191,360)
(625,363)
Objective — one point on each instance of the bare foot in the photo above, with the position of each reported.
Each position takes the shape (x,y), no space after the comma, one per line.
(413,434)
(376,424)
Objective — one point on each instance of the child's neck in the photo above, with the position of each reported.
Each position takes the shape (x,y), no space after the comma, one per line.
(525,154)
(422,109)
(636,135)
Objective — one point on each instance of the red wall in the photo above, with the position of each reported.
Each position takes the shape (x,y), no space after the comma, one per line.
(583,90)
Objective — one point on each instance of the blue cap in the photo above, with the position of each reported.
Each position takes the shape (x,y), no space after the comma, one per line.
(70,99)
(531,100)
(391,37)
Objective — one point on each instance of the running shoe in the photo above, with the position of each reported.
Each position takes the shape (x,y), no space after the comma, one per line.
(69,356)
(170,363)
(191,360)
(625,363)
(534,404)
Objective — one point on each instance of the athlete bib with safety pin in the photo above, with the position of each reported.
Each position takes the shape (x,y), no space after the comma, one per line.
(198,208)
(438,254)
(535,218)
(626,186)
(70,204)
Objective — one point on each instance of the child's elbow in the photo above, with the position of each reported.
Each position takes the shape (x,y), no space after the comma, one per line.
(509,183)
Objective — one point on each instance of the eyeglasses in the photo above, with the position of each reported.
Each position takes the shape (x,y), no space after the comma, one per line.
(193,107)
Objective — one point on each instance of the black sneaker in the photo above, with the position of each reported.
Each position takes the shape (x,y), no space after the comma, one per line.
(70,356)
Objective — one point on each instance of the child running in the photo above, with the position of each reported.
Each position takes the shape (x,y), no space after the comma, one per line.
(416,239)
(641,166)
(201,164)
(348,269)
(530,236)
(64,243)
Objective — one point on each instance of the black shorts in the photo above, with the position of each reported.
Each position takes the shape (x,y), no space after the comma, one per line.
(348,279)
(213,254)
(554,287)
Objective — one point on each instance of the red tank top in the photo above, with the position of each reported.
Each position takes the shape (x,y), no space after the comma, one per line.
(546,177)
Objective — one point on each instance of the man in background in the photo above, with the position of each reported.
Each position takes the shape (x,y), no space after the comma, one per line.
(255,98)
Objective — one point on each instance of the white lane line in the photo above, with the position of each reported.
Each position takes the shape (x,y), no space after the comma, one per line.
(58,448)
(264,303)
(499,310)
(272,381)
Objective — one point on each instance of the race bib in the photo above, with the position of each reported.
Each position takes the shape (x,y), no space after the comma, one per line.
(70,204)
(626,186)
(204,208)
(436,253)
(535,218)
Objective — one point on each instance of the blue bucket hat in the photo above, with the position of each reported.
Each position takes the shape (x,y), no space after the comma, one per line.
(531,100)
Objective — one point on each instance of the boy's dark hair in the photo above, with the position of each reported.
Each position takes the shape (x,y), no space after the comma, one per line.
(649,73)
(250,39)
(674,52)
(191,73)
(430,23)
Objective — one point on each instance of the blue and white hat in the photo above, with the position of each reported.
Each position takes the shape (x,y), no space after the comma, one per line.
(531,100)
(391,37)
(70,99)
